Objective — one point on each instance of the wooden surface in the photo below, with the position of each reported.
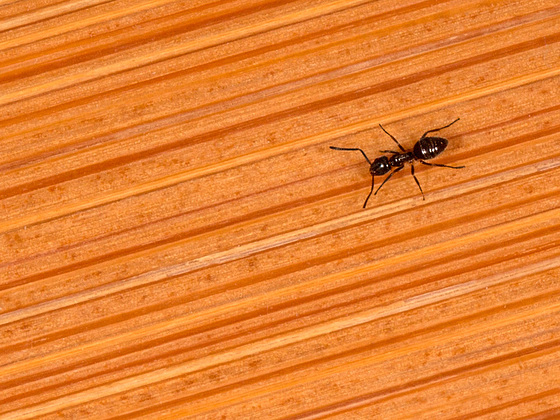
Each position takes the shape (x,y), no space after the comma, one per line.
(178,240)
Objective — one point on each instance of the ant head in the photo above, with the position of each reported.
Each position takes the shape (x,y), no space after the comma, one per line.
(380,166)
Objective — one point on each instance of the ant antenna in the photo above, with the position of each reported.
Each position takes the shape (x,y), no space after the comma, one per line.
(345,148)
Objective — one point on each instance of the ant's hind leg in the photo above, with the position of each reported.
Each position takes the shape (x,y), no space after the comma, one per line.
(437,129)
(370,191)
(442,166)
(356,149)
(389,151)
(416,179)
(394,139)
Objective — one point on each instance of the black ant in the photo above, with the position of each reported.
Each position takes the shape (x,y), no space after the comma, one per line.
(425,148)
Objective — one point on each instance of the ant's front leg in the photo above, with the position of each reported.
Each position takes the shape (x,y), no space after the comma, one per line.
(388,178)
(370,191)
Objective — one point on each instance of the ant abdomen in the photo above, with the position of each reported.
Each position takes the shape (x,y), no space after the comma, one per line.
(429,147)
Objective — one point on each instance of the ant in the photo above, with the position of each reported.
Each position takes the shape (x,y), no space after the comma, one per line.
(425,148)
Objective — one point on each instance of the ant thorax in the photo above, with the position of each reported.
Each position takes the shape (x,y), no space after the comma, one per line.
(400,159)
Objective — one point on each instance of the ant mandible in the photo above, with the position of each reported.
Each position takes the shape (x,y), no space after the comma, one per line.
(425,148)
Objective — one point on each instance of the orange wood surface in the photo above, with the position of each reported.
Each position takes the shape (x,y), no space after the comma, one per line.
(177,239)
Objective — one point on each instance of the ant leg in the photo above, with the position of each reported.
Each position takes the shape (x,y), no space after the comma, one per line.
(359,150)
(388,178)
(389,151)
(416,179)
(437,129)
(394,139)
(443,166)
(370,191)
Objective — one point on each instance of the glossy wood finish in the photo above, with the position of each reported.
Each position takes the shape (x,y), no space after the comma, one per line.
(177,240)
